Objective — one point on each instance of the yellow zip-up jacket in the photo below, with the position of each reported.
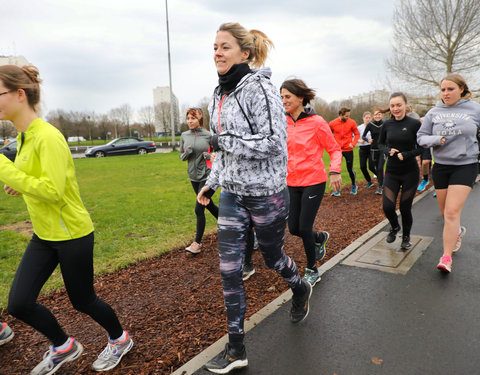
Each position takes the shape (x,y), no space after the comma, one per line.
(44,174)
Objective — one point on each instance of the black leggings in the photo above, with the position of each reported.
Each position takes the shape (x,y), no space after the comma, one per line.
(304,204)
(76,264)
(200,211)
(407,181)
(378,160)
(366,158)
(348,155)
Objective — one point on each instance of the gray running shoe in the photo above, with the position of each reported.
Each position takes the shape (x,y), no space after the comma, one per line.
(112,354)
(247,271)
(406,244)
(321,239)
(52,360)
(6,334)
(301,305)
(379,190)
(311,277)
(392,235)
(228,360)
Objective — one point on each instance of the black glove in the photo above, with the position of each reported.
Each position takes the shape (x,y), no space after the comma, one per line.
(214,142)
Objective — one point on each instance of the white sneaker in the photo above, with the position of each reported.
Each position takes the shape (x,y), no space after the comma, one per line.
(194,248)
(52,360)
(112,354)
(458,245)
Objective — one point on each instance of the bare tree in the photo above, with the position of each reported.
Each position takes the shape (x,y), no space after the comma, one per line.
(105,126)
(125,112)
(433,38)
(115,117)
(147,117)
(7,130)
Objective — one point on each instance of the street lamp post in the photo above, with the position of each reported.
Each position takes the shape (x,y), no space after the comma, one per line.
(172,123)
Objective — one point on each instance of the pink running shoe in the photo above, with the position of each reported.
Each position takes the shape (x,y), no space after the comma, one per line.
(458,245)
(445,264)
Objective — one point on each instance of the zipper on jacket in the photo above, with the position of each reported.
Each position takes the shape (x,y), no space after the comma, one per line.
(22,136)
(220,112)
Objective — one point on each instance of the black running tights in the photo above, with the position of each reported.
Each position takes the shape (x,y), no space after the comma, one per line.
(200,211)
(348,155)
(365,157)
(407,182)
(76,264)
(378,160)
(304,204)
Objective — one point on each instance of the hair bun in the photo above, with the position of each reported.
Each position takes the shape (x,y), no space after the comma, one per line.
(32,72)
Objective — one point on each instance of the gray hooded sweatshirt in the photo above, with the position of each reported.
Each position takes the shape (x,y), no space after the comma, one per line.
(458,124)
(194,145)
(252,130)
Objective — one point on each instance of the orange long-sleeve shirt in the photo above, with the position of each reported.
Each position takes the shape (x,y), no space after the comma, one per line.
(344,131)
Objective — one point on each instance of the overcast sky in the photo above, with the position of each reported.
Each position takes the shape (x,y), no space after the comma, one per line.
(95,55)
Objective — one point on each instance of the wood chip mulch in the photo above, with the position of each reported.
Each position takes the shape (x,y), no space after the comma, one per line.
(172,305)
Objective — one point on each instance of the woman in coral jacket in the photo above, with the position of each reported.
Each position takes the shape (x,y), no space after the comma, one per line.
(307,136)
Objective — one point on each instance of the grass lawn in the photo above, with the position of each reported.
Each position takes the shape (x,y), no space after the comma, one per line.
(141,205)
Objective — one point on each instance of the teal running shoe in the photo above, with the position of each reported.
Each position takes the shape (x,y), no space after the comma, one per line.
(423,185)
(311,277)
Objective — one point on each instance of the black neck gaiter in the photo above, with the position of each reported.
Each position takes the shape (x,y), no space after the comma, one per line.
(229,80)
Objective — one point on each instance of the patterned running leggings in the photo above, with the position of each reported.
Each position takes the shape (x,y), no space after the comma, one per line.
(237,214)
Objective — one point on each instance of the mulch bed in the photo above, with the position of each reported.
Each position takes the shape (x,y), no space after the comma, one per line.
(172,305)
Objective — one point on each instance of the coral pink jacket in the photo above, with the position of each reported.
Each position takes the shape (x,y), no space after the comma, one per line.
(306,139)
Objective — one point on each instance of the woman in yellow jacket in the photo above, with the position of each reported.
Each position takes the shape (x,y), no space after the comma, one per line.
(44,174)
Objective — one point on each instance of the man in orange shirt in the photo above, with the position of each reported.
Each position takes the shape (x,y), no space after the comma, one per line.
(346,134)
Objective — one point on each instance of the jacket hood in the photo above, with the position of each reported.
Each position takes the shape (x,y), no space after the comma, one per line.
(309,111)
(460,103)
(265,72)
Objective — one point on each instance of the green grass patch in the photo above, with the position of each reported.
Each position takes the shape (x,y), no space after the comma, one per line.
(141,206)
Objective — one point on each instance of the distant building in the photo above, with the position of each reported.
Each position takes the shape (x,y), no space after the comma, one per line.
(161,104)
(374,97)
(13,60)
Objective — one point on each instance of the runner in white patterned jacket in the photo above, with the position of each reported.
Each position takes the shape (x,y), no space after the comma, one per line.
(250,139)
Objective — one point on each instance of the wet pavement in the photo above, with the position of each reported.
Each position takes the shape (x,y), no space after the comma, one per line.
(368,320)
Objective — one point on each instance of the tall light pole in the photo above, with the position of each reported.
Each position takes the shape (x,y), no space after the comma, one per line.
(172,122)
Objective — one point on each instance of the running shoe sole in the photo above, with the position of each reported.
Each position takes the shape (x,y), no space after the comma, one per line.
(239,363)
(8,339)
(248,275)
(315,283)
(445,267)
(193,252)
(308,305)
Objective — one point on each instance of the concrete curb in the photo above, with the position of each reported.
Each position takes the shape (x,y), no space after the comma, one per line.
(202,358)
